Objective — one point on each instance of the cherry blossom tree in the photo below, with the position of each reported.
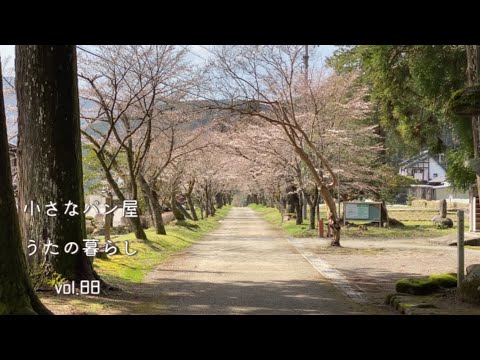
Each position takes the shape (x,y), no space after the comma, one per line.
(314,114)
(126,89)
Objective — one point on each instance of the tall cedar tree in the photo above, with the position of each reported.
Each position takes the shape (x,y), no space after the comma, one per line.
(50,159)
(16,292)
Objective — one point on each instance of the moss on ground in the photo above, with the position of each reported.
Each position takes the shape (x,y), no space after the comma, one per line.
(426,285)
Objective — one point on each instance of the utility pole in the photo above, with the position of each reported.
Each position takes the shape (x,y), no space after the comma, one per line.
(460,248)
(305,61)
(338,181)
(304,200)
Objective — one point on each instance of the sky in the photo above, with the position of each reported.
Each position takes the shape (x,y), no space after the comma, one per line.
(7,50)
(198,52)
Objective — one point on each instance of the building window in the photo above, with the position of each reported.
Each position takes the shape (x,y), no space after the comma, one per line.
(435,175)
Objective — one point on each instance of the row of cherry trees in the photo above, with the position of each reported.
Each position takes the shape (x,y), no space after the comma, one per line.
(250,121)
(295,133)
(142,116)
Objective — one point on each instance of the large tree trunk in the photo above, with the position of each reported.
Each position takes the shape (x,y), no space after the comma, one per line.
(155,207)
(473,77)
(50,159)
(334,219)
(16,291)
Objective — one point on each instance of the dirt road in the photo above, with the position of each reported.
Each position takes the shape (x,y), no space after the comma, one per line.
(244,267)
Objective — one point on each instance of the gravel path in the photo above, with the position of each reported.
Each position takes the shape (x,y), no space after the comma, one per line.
(244,267)
(374,265)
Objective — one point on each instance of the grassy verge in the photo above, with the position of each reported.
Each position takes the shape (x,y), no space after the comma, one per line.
(413,228)
(273,216)
(131,269)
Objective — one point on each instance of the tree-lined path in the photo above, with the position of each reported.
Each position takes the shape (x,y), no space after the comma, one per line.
(245,267)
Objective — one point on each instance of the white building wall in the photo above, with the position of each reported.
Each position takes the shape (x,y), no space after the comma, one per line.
(435,168)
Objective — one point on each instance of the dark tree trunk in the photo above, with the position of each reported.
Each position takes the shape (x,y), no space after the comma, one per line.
(135,223)
(207,202)
(148,207)
(155,207)
(191,186)
(313,207)
(16,291)
(384,212)
(473,77)
(176,211)
(219,200)
(318,203)
(183,211)
(158,211)
(292,200)
(298,211)
(304,205)
(192,208)
(50,159)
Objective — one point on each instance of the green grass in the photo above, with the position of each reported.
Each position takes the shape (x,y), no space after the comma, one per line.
(426,285)
(273,216)
(413,228)
(123,268)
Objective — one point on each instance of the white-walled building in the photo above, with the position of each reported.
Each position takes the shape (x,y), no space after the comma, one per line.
(425,167)
(430,171)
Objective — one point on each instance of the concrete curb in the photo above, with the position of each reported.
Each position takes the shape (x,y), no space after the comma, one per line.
(324,268)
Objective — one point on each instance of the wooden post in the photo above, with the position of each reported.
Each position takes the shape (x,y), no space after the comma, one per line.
(460,248)
(380,225)
(320,228)
(442,208)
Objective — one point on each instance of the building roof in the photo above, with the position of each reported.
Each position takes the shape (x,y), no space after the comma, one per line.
(423,156)
(417,158)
